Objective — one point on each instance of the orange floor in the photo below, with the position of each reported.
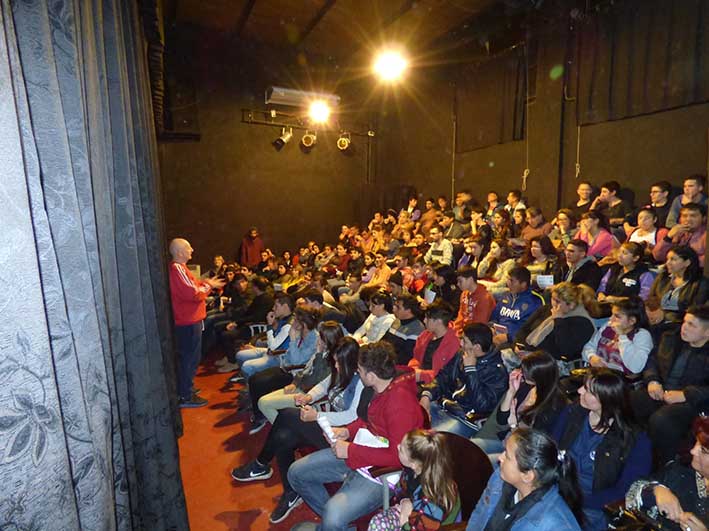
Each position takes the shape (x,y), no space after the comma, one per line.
(216,440)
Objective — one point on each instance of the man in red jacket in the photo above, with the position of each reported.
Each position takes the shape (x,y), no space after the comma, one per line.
(391,414)
(188,308)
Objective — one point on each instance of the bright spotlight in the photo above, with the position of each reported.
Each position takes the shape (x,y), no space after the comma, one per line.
(319,112)
(309,139)
(390,65)
(286,135)
(344,141)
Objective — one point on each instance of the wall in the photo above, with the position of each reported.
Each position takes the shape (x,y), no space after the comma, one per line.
(417,142)
(233,178)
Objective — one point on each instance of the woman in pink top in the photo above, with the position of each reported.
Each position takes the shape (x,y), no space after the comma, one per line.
(594,231)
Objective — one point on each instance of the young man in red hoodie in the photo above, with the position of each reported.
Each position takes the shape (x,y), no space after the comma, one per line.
(392,412)
(188,308)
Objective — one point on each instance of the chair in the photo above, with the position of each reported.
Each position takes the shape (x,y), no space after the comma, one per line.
(471,471)
(257,328)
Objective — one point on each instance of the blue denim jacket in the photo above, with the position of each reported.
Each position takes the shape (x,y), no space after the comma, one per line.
(549,514)
(299,352)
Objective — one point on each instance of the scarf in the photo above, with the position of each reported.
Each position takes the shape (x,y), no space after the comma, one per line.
(507,512)
(539,334)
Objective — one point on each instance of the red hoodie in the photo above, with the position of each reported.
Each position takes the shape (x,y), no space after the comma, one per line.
(187,295)
(450,344)
(391,414)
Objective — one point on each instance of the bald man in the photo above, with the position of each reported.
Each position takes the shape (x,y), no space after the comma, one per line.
(188,307)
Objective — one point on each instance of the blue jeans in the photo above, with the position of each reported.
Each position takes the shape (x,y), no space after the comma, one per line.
(189,347)
(255,360)
(492,447)
(442,421)
(357,496)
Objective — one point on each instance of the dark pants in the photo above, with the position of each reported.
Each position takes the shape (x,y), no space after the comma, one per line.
(288,434)
(668,425)
(264,382)
(230,339)
(189,347)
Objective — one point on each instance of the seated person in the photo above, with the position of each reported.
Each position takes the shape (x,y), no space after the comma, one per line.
(252,358)
(476,304)
(468,385)
(692,192)
(561,328)
(515,307)
(496,266)
(441,250)
(392,413)
(691,230)
(316,370)
(680,284)
(624,344)
(540,258)
(677,377)
(301,347)
(585,192)
(330,312)
(535,487)
(475,249)
(405,329)
(578,268)
(536,226)
(436,345)
(629,276)
(426,493)
(600,435)
(238,330)
(565,229)
(379,320)
(677,492)
(595,232)
(420,274)
(296,428)
(381,273)
(533,400)
(610,204)
(648,231)
(444,286)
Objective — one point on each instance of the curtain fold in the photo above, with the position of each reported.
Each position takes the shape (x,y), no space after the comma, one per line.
(87,431)
(643,56)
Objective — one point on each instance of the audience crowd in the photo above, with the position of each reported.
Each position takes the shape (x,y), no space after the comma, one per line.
(572,347)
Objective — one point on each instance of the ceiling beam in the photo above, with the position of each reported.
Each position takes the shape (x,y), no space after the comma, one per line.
(307,30)
(243,18)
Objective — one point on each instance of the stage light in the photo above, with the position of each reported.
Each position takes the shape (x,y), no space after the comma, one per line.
(343,143)
(319,112)
(309,139)
(390,65)
(286,135)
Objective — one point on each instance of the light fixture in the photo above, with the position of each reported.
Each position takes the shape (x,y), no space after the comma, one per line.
(319,111)
(343,143)
(390,65)
(286,135)
(309,139)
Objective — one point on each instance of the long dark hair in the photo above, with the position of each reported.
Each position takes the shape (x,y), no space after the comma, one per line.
(541,368)
(599,216)
(685,252)
(538,452)
(330,333)
(612,392)
(547,248)
(346,353)
(634,307)
(505,254)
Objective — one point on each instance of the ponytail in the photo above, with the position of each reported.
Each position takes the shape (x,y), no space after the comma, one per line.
(538,452)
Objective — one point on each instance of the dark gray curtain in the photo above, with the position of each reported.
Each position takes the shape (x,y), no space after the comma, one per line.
(87,432)
(643,56)
(490,102)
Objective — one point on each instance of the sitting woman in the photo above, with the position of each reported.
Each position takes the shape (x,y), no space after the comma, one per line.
(479,227)
(563,327)
(501,225)
(678,493)
(596,233)
(468,385)
(317,369)
(680,285)
(534,489)
(625,342)
(474,250)
(426,495)
(540,258)
(519,222)
(296,428)
(302,347)
(600,434)
(496,267)
(647,231)
(533,400)
(564,230)
(379,320)
(628,276)
(444,285)
(369,267)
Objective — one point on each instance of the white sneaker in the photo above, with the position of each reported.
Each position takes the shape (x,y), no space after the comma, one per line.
(228,367)
(221,362)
